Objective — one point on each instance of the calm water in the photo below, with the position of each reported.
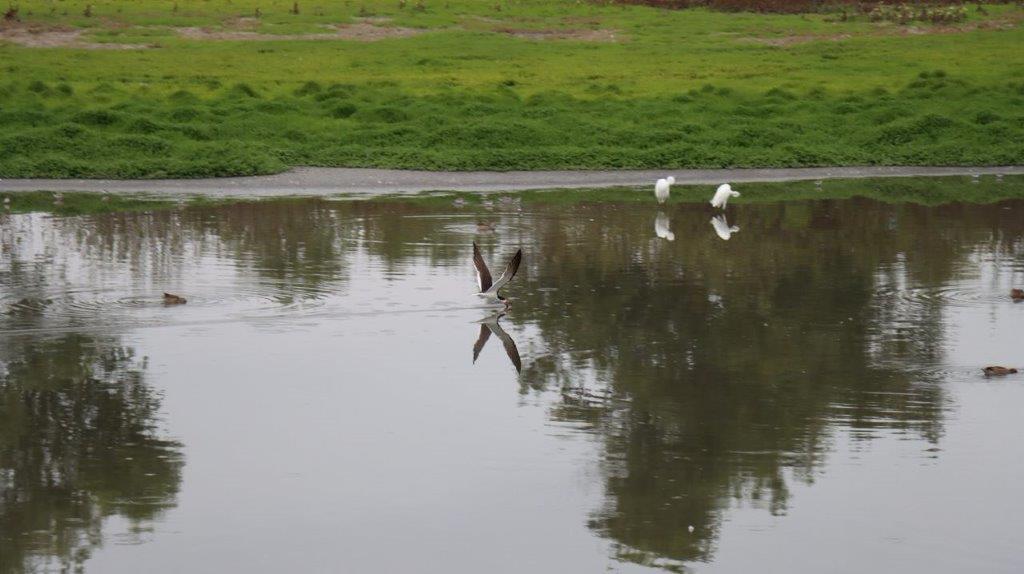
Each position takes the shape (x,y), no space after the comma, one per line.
(804,397)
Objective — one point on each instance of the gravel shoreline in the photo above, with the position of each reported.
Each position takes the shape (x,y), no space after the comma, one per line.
(319,181)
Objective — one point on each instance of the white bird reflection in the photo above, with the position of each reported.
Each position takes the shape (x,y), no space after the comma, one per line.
(490,325)
(661,227)
(722,228)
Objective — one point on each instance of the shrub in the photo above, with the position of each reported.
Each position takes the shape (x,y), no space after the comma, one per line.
(38,87)
(244,90)
(143,126)
(183,96)
(307,89)
(343,111)
(184,114)
(386,114)
(141,144)
(97,117)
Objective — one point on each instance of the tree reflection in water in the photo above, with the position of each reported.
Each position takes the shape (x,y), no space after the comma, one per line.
(78,443)
(711,372)
(715,377)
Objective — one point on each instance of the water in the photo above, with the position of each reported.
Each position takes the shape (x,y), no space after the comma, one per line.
(804,397)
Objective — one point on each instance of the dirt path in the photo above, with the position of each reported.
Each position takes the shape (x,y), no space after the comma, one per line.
(371,182)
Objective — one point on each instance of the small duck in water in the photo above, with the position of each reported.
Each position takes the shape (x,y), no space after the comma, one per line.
(999,371)
(172,299)
(1017,294)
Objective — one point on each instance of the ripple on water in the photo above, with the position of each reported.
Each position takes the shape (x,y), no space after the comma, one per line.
(112,308)
(938,295)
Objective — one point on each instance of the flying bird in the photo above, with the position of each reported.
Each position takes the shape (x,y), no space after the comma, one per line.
(490,325)
(661,227)
(721,225)
(488,288)
(722,195)
(661,188)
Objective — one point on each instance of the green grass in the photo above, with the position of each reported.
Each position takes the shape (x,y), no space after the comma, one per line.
(678,89)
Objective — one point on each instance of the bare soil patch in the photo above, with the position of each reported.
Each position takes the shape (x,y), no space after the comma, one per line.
(599,35)
(889,30)
(36,36)
(242,23)
(361,31)
(783,41)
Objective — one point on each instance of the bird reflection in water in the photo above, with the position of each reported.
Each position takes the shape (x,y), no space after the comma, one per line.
(661,227)
(721,225)
(489,325)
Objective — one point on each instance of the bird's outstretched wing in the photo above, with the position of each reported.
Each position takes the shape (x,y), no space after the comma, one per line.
(483,275)
(485,334)
(510,272)
(510,345)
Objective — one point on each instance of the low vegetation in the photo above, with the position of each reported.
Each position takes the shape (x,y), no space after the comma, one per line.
(146,89)
(918,190)
(78,203)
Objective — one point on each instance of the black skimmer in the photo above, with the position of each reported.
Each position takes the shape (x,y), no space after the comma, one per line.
(488,288)
(490,325)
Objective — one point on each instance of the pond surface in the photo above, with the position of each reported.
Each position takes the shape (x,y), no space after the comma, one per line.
(805,396)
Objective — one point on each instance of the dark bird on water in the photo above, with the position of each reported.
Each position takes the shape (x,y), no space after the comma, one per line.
(171,299)
(489,288)
(999,371)
(1017,294)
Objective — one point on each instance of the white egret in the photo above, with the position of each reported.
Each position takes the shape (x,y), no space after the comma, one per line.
(722,228)
(661,188)
(722,195)
(661,227)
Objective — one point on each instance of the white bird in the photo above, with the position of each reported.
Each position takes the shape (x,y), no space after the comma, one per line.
(722,195)
(661,227)
(722,227)
(661,188)
(489,290)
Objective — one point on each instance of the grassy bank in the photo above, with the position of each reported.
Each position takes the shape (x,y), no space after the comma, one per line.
(209,88)
(924,191)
